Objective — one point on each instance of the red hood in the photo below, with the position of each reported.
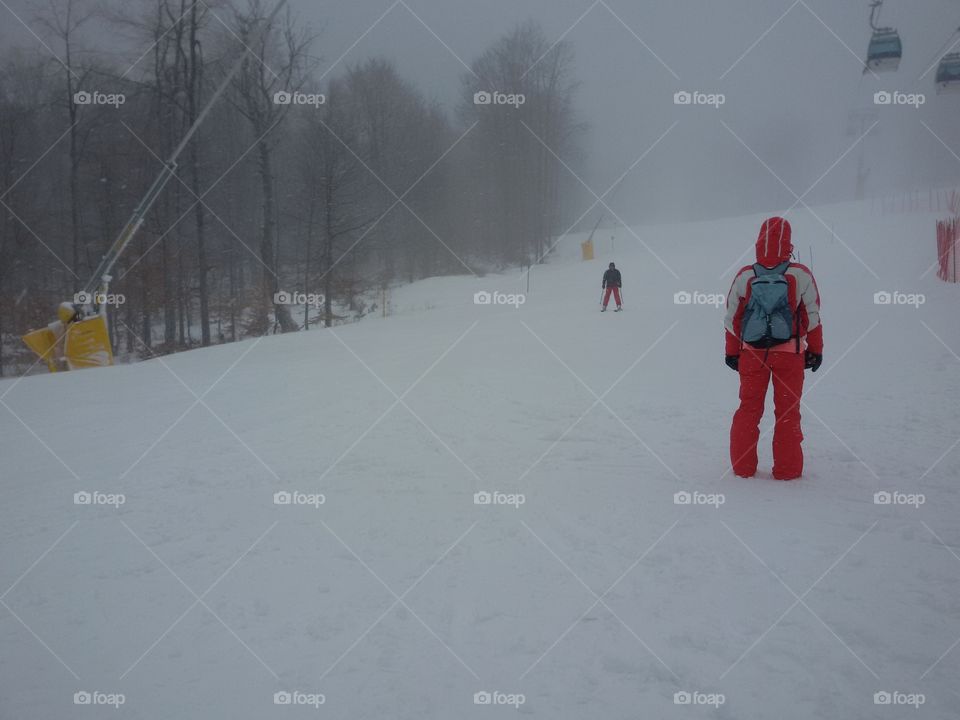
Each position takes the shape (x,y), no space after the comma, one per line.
(773,244)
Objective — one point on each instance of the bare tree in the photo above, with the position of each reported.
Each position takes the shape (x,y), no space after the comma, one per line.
(276,68)
(517,145)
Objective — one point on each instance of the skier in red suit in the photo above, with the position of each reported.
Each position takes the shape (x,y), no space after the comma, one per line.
(612,282)
(772,336)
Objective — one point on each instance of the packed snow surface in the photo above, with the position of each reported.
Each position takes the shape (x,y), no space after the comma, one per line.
(586,588)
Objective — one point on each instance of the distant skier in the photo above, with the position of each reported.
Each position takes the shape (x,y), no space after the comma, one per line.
(772,329)
(611,284)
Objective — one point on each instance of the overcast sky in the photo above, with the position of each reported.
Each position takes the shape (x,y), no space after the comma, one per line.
(790,71)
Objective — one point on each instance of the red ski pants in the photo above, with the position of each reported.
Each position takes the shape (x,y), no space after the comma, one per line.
(786,369)
(616,295)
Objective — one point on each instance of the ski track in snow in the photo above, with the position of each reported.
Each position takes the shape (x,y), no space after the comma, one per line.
(598,597)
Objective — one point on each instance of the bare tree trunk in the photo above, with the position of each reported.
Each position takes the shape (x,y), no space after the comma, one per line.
(328,211)
(194,87)
(267,255)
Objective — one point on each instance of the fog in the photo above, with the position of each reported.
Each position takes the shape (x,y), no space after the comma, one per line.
(791,73)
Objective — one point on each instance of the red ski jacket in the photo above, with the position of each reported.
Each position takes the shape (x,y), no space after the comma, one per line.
(774,247)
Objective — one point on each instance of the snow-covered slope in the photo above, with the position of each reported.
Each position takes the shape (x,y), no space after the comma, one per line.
(597,597)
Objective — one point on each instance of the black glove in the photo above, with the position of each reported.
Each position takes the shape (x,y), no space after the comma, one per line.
(733,362)
(812,360)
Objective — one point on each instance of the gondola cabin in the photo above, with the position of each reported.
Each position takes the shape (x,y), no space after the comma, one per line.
(948,74)
(885,51)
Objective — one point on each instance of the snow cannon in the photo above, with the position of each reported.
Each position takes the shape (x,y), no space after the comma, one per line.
(77,339)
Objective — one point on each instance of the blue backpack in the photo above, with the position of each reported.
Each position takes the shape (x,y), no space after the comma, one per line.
(768,318)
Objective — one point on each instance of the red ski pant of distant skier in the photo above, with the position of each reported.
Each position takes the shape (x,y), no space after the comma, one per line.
(616,295)
(786,369)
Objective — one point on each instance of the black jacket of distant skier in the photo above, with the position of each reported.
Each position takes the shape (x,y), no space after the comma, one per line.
(611,278)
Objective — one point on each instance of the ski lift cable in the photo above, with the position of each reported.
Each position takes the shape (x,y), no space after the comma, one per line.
(941,52)
(102,274)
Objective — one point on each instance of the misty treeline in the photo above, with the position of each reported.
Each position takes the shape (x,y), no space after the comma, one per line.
(358,183)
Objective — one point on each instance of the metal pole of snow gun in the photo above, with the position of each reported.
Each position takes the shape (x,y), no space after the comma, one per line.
(85,341)
(170,167)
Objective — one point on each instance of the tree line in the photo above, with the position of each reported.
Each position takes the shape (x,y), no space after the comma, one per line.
(304,195)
